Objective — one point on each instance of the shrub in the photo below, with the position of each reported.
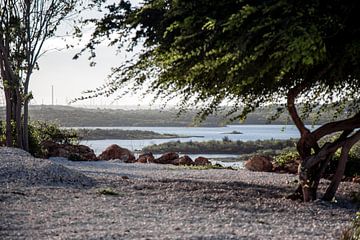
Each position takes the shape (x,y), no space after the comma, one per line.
(42,131)
(286,157)
(353,233)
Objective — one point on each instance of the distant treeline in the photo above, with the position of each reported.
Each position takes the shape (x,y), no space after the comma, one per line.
(68,116)
(99,134)
(223,147)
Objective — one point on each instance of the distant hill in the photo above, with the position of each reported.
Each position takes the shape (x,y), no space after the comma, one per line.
(68,116)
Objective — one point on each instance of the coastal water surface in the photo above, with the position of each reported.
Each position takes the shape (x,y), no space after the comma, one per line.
(248,132)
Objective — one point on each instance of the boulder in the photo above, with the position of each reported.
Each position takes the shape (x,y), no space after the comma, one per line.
(202,161)
(167,158)
(146,158)
(184,160)
(116,152)
(69,151)
(259,164)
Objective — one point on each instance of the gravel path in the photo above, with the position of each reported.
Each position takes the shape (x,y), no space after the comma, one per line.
(59,199)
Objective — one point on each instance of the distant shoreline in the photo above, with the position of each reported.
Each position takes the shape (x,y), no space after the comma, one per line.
(69,116)
(104,134)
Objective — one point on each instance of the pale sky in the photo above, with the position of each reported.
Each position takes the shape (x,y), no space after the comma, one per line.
(70,77)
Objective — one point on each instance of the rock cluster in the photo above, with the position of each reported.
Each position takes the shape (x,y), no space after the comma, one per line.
(115,152)
(69,151)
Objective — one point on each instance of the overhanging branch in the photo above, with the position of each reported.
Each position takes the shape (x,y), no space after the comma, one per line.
(343,125)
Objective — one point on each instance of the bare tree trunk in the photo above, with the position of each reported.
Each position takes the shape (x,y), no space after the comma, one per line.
(18,111)
(26,126)
(9,140)
(335,182)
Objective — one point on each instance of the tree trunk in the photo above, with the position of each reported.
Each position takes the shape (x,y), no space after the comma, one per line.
(18,125)
(335,182)
(9,139)
(314,159)
(339,173)
(26,126)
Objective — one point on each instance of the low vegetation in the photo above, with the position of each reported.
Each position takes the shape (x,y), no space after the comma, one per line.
(208,167)
(226,146)
(99,134)
(108,191)
(67,116)
(286,157)
(39,132)
(353,232)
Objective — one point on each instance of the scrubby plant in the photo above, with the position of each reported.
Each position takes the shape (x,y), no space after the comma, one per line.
(353,233)
(40,131)
(208,167)
(286,157)
(108,191)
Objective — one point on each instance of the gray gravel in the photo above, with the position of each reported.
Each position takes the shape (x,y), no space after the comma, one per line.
(157,202)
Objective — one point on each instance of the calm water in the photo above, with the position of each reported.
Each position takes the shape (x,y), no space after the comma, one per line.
(249,132)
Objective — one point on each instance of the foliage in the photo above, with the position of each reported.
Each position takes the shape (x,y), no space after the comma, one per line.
(224,147)
(353,233)
(249,54)
(40,132)
(97,134)
(208,167)
(24,27)
(108,191)
(68,116)
(286,157)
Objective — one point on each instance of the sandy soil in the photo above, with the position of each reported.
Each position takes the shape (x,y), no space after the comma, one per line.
(59,199)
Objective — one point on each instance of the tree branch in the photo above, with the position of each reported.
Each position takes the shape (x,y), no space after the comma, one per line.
(343,125)
(291,96)
(330,148)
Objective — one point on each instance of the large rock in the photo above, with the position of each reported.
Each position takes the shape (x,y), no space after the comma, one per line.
(259,164)
(69,151)
(146,158)
(202,161)
(167,158)
(116,152)
(184,160)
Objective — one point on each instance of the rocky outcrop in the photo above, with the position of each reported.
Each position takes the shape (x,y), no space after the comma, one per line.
(259,164)
(116,152)
(146,158)
(69,151)
(202,161)
(167,158)
(184,160)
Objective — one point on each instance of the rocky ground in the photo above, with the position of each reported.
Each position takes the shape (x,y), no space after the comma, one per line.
(59,199)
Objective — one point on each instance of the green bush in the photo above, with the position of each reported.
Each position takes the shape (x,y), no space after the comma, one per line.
(353,233)
(286,157)
(42,131)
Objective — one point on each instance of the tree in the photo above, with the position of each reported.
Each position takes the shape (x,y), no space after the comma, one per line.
(24,27)
(248,53)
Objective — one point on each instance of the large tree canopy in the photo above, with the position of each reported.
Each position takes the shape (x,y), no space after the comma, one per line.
(248,53)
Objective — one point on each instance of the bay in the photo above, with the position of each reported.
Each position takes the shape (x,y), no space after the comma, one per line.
(248,133)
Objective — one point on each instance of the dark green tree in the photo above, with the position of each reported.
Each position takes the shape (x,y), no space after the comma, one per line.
(248,54)
(24,27)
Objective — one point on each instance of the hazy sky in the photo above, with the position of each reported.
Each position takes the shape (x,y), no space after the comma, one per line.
(71,77)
